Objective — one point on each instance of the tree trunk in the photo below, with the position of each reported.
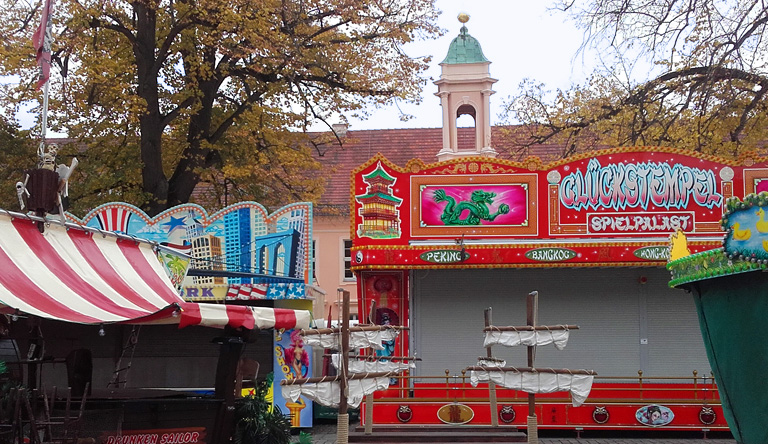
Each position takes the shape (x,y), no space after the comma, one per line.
(153,178)
(186,175)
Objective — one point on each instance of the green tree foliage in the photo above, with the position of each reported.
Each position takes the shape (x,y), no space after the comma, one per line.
(257,422)
(707,92)
(166,94)
(15,149)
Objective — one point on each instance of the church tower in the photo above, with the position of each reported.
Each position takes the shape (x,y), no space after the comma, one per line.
(464,88)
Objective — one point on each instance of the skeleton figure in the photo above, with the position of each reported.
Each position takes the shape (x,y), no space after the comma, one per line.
(49,158)
(22,192)
(64,173)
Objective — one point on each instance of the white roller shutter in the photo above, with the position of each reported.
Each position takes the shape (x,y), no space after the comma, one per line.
(614,307)
(675,347)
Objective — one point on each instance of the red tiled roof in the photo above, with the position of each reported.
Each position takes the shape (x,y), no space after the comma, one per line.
(398,146)
(401,145)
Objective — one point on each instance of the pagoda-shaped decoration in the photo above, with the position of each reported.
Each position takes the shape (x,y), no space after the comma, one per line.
(464,88)
(530,379)
(381,218)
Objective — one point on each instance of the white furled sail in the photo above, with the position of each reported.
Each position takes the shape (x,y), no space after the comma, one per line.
(491,362)
(365,366)
(578,383)
(357,339)
(557,337)
(327,393)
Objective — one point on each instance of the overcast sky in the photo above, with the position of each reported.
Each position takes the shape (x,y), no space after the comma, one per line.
(521,38)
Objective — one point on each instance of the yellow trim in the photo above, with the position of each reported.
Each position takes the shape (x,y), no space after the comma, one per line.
(532,245)
(645,264)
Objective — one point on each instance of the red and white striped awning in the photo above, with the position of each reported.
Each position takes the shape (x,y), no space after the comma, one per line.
(81,275)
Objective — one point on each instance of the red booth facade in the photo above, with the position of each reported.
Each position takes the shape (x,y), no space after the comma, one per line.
(435,244)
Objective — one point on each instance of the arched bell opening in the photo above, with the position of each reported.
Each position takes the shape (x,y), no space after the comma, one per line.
(466,128)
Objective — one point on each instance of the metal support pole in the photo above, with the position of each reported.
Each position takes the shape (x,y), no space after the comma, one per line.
(43,122)
(369,398)
(531,308)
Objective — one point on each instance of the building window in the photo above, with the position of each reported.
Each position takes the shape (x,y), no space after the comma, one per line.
(280,268)
(264,260)
(314,263)
(348,274)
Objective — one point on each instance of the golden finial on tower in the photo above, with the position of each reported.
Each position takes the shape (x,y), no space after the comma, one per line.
(463,17)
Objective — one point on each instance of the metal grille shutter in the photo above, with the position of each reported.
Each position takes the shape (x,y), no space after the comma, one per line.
(609,304)
(675,346)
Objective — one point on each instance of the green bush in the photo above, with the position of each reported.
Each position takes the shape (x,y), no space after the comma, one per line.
(256,424)
(305,438)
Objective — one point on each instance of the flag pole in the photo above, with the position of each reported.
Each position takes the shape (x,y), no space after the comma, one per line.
(42,39)
(47,184)
(43,122)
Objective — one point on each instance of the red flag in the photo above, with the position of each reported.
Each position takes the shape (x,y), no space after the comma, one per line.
(42,41)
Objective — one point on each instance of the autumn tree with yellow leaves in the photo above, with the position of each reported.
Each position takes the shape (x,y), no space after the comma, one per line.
(166,94)
(15,150)
(708,91)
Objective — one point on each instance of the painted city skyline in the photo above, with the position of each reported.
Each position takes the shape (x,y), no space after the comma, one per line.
(242,237)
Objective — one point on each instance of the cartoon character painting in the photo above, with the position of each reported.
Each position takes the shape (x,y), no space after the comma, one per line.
(654,415)
(296,356)
(293,359)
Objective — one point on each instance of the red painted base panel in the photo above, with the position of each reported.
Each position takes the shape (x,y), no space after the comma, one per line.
(610,406)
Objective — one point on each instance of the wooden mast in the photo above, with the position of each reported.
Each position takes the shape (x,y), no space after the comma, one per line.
(506,336)
(342,425)
(344,376)
(491,384)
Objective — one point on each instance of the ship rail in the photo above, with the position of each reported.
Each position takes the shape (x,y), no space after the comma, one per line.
(452,386)
(693,400)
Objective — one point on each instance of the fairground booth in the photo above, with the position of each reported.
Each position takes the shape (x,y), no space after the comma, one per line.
(124,328)
(158,322)
(436,244)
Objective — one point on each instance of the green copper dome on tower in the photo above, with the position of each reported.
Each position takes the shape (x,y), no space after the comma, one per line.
(464,48)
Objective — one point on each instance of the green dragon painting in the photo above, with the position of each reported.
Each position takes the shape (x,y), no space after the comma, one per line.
(476,207)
